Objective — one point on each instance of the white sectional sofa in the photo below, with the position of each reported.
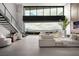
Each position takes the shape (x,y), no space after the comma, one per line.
(46,43)
(51,41)
(46,40)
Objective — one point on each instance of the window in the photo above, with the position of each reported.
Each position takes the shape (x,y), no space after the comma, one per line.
(26,11)
(39,11)
(40,26)
(59,11)
(46,11)
(53,11)
(33,12)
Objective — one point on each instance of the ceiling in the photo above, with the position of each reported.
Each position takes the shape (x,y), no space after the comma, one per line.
(44,4)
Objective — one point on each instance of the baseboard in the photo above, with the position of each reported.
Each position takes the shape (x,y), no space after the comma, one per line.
(59,46)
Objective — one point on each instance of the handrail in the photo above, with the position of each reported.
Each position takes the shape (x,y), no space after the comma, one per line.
(12,17)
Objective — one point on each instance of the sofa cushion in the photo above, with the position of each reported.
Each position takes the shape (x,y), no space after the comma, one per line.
(46,37)
(57,34)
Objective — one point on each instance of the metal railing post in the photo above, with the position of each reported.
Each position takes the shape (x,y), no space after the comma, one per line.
(11,19)
(4,11)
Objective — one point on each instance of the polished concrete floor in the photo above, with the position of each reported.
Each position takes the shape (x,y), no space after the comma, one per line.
(29,47)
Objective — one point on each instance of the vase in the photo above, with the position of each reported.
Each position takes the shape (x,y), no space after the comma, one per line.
(64,33)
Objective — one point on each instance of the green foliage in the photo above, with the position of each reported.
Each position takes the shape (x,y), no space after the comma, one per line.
(64,23)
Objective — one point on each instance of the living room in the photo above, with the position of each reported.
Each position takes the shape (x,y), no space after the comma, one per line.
(50,20)
(46,26)
(55,21)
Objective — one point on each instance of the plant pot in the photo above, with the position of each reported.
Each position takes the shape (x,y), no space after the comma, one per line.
(64,33)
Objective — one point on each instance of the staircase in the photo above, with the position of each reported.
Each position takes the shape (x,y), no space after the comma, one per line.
(4,21)
(8,22)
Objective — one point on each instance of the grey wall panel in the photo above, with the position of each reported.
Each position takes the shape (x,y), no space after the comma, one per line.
(74,11)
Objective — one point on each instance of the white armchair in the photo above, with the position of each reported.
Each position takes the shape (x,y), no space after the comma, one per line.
(4,41)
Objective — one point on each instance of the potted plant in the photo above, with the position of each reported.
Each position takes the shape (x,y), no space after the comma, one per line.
(64,25)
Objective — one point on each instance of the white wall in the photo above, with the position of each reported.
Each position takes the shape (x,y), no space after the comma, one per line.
(67,14)
(3,30)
